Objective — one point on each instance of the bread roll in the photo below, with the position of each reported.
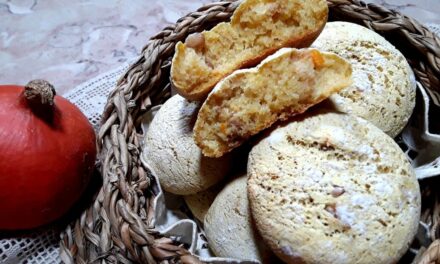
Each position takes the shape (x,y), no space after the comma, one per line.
(172,154)
(333,188)
(248,101)
(384,88)
(229,226)
(200,202)
(257,29)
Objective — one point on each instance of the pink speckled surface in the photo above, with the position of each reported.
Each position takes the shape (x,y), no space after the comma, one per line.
(69,42)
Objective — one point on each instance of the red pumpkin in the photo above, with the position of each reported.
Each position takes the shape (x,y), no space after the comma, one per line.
(47,155)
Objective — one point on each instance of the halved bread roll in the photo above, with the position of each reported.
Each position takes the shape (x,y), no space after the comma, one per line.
(248,101)
(257,29)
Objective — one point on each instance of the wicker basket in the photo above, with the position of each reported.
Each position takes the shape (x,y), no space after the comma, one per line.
(117,226)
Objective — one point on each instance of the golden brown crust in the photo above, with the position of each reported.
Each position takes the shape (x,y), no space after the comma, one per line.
(194,84)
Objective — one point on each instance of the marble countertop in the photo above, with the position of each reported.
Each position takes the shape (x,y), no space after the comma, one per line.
(69,42)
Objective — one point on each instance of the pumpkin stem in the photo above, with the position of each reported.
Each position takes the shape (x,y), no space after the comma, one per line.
(40,92)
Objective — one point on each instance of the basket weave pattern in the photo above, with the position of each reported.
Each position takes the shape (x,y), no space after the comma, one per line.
(118,226)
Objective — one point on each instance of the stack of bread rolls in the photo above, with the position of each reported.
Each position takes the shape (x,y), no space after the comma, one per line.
(318,105)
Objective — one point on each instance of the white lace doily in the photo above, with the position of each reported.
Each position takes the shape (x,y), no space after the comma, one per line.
(434,28)
(41,247)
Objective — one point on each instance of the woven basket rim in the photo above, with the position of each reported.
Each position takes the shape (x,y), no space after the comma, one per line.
(117,226)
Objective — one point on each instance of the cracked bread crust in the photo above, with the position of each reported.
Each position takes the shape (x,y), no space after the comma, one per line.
(384,87)
(333,188)
(284,84)
(257,29)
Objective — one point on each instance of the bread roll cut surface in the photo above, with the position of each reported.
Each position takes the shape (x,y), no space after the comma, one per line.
(257,29)
(248,101)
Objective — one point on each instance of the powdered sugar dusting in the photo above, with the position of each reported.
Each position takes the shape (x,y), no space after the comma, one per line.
(370,168)
(275,137)
(338,256)
(346,216)
(367,150)
(331,134)
(338,134)
(314,174)
(333,165)
(383,189)
(359,78)
(362,200)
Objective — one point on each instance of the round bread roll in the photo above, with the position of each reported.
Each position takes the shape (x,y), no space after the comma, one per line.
(384,88)
(172,153)
(333,188)
(248,101)
(200,202)
(229,227)
(257,29)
